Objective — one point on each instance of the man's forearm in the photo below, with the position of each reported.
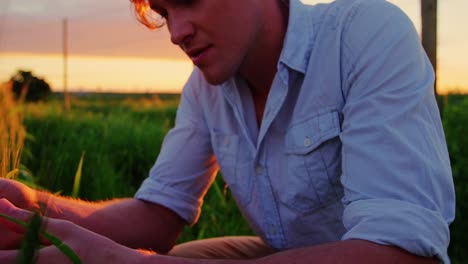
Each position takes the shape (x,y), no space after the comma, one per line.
(349,251)
(129,221)
(66,208)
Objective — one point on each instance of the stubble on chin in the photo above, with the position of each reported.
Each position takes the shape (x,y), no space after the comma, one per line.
(215,78)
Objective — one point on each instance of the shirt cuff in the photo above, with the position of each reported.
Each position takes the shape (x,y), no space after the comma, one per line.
(186,206)
(411,227)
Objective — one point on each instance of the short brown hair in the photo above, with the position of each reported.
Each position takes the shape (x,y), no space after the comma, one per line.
(145,15)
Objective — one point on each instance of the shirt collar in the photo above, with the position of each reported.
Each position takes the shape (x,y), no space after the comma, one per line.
(297,45)
(298,42)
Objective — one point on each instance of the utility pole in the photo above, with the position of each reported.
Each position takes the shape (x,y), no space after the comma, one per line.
(429,33)
(66,96)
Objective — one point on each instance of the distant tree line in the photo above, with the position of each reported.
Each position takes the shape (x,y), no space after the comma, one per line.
(28,87)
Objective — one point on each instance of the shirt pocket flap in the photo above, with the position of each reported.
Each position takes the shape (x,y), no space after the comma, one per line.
(225,147)
(304,137)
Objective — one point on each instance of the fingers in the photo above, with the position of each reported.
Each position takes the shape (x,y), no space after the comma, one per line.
(51,255)
(14,232)
(18,194)
(46,255)
(4,183)
(9,239)
(8,256)
(10,210)
(11,233)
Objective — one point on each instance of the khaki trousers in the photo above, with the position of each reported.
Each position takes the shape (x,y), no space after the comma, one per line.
(232,247)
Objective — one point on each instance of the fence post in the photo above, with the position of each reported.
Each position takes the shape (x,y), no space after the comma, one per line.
(429,37)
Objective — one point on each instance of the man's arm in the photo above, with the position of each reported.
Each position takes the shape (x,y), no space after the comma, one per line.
(131,222)
(398,186)
(347,251)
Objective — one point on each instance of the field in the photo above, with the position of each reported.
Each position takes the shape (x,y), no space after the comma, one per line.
(121,135)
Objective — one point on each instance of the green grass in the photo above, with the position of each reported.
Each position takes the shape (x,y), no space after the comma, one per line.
(120,145)
(456,132)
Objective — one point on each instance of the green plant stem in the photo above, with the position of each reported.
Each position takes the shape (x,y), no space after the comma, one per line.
(31,241)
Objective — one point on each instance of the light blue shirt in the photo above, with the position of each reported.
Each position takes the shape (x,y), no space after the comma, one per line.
(350,146)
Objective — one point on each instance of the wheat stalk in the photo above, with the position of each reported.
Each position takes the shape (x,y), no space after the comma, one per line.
(12,131)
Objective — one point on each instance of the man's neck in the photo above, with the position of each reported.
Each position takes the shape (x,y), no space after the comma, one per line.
(259,67)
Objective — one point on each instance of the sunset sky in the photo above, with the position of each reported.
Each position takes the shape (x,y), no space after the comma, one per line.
(110,51)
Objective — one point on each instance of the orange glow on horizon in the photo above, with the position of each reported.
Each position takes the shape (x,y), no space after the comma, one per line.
(60,56)
(139,74)
(99,73)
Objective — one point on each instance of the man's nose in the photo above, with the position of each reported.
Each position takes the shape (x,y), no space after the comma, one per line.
(181,30)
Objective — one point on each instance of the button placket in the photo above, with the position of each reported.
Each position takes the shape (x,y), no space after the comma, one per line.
(227,141)
(259,169)
(272,229)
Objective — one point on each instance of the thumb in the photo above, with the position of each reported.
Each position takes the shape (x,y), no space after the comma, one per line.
(9,210)
(9,217)
(60,228)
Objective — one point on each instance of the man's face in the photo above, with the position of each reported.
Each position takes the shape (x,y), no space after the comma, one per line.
(217,35)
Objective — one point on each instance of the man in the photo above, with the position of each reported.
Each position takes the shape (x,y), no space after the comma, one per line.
(323,122)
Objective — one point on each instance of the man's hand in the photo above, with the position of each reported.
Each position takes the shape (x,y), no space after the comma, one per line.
(104,218)
(19,194)
(89,246)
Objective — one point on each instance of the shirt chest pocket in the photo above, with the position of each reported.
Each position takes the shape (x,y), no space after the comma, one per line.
(313,157)
(235,164)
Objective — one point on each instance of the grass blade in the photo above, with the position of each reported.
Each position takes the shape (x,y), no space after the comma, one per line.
(66,250)
(77,181)
(31,241)
(12,174)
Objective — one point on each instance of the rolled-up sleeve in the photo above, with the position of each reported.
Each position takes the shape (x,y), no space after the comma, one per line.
(398,187)
(185,167)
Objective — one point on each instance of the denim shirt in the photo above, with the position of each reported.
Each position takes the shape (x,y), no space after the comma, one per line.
(350,145)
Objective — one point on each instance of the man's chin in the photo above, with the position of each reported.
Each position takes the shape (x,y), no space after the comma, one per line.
(215,78)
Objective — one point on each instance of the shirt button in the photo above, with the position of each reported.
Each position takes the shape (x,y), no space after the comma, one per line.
(272,230)
(227,141)
(307,142)
(259,169)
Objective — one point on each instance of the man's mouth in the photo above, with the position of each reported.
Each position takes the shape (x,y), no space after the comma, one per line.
(197,55)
